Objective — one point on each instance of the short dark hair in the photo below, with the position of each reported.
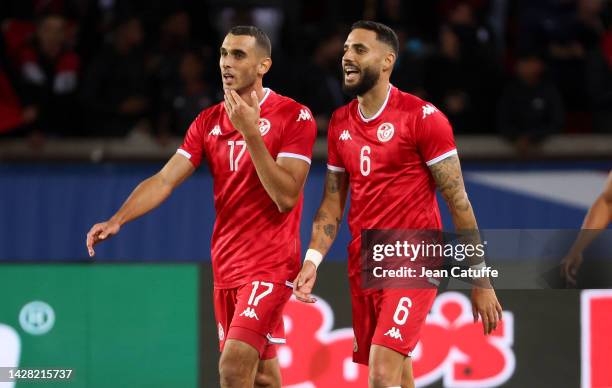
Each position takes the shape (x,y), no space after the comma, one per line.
(383,33)
(261,39)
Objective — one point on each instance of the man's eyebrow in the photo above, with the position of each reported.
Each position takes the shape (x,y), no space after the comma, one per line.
(356,45)
(234,51)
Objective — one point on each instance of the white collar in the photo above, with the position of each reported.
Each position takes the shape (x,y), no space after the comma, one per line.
(265,97)
(382,108)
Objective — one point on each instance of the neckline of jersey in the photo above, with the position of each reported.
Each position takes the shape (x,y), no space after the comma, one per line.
(380,110)
(265,97)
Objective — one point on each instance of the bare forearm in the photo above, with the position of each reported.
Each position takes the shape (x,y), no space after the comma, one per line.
(599,215)
(462,213)
(325,228)
(597,219)
(326,224)
(282,188)
(449,180)
(149,194)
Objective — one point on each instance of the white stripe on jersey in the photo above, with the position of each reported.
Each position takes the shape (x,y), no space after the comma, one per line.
(292,155)
(184,153)
(442,157)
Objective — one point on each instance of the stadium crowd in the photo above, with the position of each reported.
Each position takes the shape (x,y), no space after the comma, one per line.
(102,68)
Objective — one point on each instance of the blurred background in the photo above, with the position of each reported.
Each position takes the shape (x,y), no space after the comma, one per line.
(519,70)
(95,95)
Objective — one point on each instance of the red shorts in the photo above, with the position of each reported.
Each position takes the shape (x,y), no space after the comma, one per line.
(391,318)
(253,313)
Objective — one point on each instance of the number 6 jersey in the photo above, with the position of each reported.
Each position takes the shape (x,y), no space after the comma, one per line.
(251,238)
(386,158)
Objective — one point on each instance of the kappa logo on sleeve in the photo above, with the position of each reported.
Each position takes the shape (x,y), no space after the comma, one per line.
(304,115)
(216,131)
(428,110)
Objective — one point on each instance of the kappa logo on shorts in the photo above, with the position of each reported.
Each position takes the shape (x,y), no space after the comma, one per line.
(249,313)
(221,332)
(394,333)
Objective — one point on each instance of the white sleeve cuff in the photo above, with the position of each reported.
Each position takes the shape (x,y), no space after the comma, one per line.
(292,155)
(335,168)
(442,157)
(184,153)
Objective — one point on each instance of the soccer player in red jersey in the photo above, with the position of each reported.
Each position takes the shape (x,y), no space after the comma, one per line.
(393,150)
(258,146)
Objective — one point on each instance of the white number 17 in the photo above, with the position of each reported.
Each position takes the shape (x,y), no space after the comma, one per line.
(234,161)
(254,298)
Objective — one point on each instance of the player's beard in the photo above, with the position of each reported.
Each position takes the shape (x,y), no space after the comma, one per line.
(369,78)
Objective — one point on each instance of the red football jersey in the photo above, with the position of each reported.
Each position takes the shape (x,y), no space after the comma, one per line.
(387,158)
(251,239)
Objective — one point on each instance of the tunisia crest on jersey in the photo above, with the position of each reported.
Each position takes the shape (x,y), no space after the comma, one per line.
(264,126)
(385,132)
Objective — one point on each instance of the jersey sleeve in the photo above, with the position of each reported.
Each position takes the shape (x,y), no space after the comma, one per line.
(334,162)
(299,136)
(193,144)
(434,135)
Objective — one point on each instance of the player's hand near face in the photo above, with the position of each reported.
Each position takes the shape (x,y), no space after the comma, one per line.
(243,115)
(485,304)
(100,232)
(304,282)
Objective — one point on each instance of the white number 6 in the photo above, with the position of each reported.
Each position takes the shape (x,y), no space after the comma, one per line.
(364,160)
(401,313)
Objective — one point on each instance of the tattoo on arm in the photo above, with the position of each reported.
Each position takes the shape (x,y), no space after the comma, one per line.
(332,182)
(447,174)
(320,217)
(330,230)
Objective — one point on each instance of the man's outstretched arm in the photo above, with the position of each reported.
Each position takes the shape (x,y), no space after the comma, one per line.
(597,219)
(324,230)
(149,194)
(449,180)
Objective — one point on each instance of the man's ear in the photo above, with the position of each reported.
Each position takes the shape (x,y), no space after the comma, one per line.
(264,66)
(388,61)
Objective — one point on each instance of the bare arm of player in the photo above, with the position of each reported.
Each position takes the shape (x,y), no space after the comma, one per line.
(324,230)
(597,219)
(149,194)
(449,180)
(284,179)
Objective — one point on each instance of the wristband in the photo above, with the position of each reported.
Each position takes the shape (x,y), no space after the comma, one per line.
(314,256)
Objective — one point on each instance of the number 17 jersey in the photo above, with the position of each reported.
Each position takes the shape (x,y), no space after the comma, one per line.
(251,239)
(387,159)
